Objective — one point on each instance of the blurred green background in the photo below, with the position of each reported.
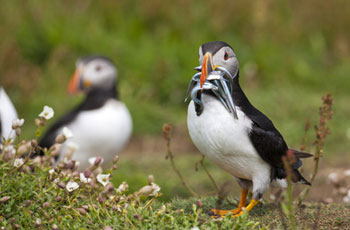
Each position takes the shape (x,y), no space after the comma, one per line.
(291,53)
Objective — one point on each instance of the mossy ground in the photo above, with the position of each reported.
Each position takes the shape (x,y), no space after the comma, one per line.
(33,195)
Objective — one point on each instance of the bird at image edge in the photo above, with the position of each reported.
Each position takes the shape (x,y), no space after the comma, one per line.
(101,124)
(7,115)
(242,141)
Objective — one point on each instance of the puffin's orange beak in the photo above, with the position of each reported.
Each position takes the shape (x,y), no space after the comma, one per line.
(74,83)
(207,67)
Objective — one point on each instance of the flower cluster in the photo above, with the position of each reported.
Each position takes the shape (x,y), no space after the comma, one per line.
(341,184)
(62,179)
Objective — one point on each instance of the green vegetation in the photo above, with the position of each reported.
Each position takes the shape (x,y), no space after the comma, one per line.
(290,54)
(32,199)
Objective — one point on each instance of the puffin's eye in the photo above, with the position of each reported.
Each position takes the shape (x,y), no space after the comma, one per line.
(98,68)
(226,56)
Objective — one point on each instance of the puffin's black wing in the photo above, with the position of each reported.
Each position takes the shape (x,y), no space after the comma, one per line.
(269,144)
(49,138)
(95,99)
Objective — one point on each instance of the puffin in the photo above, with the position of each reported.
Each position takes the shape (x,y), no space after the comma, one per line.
(7,115)
(231,132)
(101,124)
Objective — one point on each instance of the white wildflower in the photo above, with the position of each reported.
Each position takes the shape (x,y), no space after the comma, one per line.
(103,179)
(18,162)
(71,186)
(67,133)
(17,123)
(47,113)
(346,199)
(10,149)
(67,160)
(123,187)
(195,228)
(347,172)
(272,196)
(51,171)
(333,178)
(149,190)
(84,179)
(155,188)
(56,180)
(92,160)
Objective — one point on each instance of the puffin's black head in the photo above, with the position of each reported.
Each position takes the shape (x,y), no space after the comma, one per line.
(214,54)
(93,72)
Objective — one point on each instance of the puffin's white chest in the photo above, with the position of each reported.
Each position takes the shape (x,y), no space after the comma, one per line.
(7,115)
(224,139)
(101,132)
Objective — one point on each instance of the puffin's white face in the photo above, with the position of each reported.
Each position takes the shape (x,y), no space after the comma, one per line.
(93,73)
(224,57)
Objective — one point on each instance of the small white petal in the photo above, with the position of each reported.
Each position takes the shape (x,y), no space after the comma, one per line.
(18,162)
(51,171)
(195,228)
(123,187)
(47,112)
(149,190)
(84,179)
(347,172)
(346,199)
(56,180)
(67,133)
(18,122)
(155,188)
(103,179)
(71,186)
(333,177)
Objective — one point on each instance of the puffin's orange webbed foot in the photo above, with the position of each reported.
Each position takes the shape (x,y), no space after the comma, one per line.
(250,206)
(222,213)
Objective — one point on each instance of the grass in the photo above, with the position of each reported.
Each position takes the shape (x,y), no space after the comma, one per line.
(34,203)
(290,54)
(35,194)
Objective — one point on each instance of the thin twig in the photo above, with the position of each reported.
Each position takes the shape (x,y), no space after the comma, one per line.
(287,207)
(321,132)
(167,130)
(209,175)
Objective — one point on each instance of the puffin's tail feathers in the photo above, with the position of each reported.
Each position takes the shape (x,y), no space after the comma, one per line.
(300,154)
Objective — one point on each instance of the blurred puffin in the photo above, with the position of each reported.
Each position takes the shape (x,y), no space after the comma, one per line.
(231,132)
(7,115)
(101,124)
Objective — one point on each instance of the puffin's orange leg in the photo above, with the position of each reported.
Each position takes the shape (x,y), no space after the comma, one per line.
(242,202)
(250,206)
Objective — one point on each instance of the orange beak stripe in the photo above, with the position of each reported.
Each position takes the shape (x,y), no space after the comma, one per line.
(73,83)
(204,71)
